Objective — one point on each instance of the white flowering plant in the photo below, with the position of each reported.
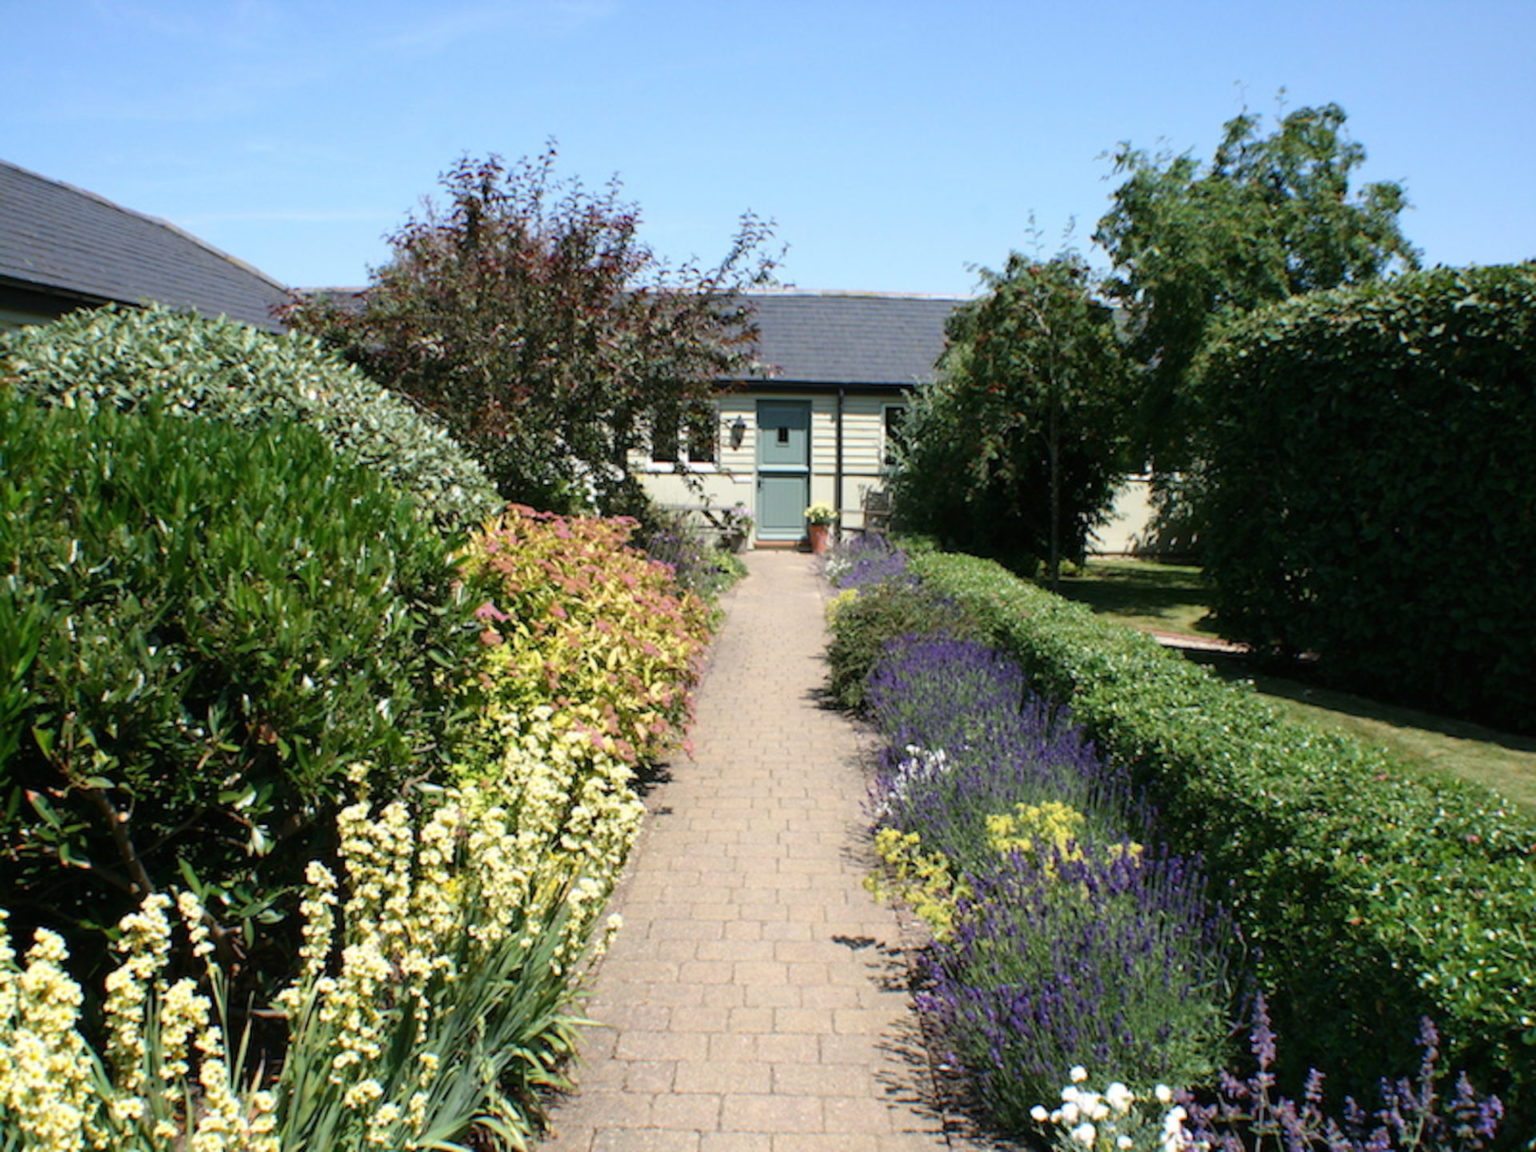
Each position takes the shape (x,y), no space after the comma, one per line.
(167,1078)
(1114,1120)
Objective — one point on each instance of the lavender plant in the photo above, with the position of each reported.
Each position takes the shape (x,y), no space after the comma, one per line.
(865,560)
(876,614)
(1001,748)
(1248,1115)
(1111,960)
(1058,939)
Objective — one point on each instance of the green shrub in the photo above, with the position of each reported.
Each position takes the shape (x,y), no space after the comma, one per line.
(201,628)
(1368,485)
(864,620)
(1371,896)
(132,358)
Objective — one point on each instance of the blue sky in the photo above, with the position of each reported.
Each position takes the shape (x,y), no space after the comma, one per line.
(898,144)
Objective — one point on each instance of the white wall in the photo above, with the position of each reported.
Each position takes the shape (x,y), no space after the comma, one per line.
(732,479)
(1126,532)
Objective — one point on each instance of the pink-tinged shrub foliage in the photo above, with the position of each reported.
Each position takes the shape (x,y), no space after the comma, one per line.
(575,617)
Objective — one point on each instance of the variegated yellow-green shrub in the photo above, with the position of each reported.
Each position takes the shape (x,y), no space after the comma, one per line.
(578,620)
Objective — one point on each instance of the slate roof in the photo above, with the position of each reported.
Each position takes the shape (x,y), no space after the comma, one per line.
(837,338)
(59,240)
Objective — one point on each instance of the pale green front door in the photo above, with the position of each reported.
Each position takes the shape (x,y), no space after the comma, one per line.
(783,468)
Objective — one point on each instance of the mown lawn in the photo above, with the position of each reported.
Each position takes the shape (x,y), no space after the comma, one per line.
(1145,594)
(1172,598)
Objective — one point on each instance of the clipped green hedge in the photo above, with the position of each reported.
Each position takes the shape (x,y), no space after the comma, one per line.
(130,358)
(202,628)
(1369,485)
(1369,894)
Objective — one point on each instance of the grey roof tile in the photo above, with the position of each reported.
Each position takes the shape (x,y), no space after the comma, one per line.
(850,338)
(58,238)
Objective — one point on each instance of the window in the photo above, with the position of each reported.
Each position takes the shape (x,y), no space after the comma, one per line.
(664,423)
(703,433)
(688,436)
(895,420)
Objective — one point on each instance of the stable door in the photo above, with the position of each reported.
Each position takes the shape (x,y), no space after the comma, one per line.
(783,468)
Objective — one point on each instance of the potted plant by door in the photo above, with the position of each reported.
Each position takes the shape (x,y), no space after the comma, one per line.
(819,519)
(735,528)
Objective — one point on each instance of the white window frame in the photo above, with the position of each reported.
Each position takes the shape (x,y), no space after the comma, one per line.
(684,461)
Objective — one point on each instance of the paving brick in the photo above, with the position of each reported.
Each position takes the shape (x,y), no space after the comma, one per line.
(752,1003)
(774,1113)
(644,1140)
(722,1076)
(698,1111)
(790,1047)
(736,1142)
(648,1077)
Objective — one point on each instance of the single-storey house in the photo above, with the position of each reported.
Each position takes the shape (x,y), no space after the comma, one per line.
(63,248)
(816,424)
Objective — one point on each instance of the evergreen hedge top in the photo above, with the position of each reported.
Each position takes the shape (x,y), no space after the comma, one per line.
(132,358)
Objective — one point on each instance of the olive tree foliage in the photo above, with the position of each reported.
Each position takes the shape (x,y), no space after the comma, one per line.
(1270,216)
(527,314)
(1015,451)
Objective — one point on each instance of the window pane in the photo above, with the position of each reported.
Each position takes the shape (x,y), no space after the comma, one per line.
(664,438)
(703,434)
(895,418)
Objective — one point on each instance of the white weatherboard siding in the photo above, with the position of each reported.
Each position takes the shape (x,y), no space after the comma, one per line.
(733,478)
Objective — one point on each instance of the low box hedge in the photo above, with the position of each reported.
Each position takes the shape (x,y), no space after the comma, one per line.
(1370,895)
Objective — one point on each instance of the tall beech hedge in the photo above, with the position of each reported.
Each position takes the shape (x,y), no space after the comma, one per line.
(1371,485)
(1369,895)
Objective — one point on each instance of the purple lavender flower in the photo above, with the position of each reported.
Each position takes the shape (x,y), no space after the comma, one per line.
(1101,959)
(866,560)
(1412,1117)
(1002,748)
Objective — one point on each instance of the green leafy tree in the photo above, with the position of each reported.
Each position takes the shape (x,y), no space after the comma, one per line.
(1270,216)
(526,313)
(1017,448)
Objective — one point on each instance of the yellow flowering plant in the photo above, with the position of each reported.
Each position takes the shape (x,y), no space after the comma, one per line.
(1051,832)
(436,974)
(922,880)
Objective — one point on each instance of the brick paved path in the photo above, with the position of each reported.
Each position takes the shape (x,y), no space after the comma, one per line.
(754,999)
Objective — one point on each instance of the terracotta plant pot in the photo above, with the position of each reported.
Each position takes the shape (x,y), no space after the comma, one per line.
(821,535)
